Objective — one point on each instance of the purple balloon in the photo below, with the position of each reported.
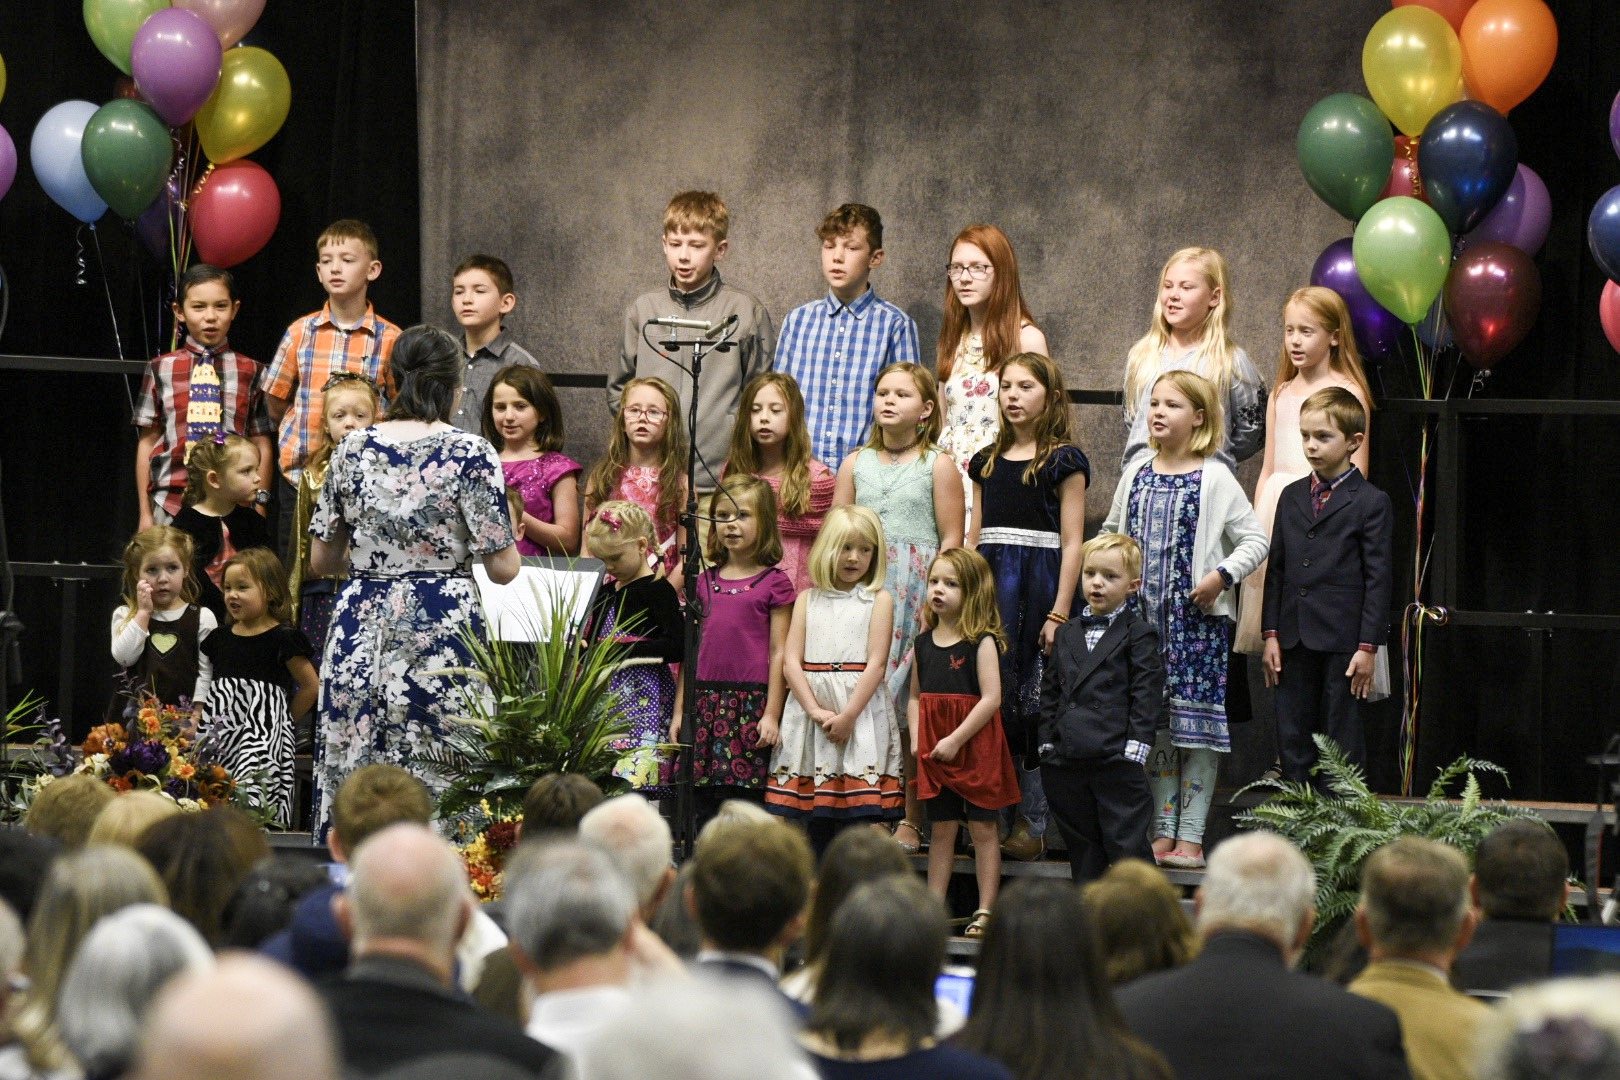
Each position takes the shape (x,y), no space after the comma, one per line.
(1614,124)
(1378,332)
(1521,218)
(8,162)
(154,223)
(175,59)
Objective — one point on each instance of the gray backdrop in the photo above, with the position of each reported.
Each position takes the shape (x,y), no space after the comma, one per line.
(1100,135)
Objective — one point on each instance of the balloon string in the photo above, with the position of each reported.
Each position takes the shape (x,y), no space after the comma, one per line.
(112,312)
(83,275)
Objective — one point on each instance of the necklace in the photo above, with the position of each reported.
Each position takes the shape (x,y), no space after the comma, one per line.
(895,452)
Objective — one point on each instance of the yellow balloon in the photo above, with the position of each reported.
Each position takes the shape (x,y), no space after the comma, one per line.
(248,106)
(2,77)
(1413,66)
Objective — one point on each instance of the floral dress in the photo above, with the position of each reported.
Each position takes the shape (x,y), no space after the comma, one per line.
(972,409)
(417,513)
(903,497)
(639,484)
(799,533)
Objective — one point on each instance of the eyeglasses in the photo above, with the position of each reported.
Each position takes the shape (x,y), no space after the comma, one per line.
(638,412)
(976,271)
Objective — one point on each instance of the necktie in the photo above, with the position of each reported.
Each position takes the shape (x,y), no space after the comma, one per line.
(1320,490)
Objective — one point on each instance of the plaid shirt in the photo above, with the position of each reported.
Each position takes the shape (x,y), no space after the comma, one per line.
(165,396)
(835,351)
(311,351)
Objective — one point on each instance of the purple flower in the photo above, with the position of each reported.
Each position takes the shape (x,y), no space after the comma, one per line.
(180,789)
(147,757)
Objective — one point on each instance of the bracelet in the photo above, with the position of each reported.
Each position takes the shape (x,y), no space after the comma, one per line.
(1057,617)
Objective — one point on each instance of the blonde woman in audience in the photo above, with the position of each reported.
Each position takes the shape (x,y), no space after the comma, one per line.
(123,820)
(1138,920)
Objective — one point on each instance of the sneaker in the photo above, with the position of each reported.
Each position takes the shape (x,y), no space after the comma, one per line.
(1020,845)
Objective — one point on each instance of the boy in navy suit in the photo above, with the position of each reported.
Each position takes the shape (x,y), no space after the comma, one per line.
(1327,588)
(1101,698)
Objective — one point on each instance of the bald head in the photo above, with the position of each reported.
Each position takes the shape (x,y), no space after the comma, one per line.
(247,1018)
(407,885)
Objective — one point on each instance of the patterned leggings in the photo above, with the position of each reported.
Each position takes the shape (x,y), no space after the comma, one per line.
(1183,783)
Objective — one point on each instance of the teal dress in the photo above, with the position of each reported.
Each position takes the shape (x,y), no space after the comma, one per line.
(903,497)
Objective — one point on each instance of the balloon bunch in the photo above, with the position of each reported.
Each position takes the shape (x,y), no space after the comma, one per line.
(1602,236)
(8,149)
(137,154)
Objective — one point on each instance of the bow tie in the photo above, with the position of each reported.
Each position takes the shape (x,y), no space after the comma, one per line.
(1093,620)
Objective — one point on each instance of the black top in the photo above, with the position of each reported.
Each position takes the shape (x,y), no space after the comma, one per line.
(248,530)
(953,670)
(1009,503)
(260,657)
(647,620)
(940,1062)
(1503,954)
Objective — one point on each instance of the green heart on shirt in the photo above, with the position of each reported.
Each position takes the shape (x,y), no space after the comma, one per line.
(164,642)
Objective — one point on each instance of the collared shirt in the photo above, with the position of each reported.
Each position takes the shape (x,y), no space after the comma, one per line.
(311,351)
(835,351)
(166,397)
(1320,497)
(1135,750)
(567,1019)
(482,367)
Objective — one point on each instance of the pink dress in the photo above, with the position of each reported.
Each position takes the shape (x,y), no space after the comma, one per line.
(639,484)
(535,478)
(799,533)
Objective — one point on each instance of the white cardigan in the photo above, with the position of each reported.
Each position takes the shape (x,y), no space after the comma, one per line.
(1228,535)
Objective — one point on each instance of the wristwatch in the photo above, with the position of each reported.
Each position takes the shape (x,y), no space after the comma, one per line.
(261,497)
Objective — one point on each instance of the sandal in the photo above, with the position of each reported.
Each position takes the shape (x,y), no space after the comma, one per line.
(909,847)
(976,927)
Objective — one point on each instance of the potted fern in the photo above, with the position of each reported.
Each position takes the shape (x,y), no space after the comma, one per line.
(1338,831)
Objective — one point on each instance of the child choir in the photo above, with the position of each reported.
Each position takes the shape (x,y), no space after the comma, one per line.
(903,621)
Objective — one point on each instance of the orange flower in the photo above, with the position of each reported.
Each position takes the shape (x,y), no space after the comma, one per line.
(120,783)
(105,739)
(185,770)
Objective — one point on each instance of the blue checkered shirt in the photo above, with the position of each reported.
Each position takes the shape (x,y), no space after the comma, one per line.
(835,350)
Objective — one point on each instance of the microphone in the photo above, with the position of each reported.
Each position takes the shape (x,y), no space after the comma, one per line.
(720,327)
(684,324)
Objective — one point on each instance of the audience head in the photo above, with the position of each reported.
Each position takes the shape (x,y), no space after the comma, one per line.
(1521,871)
(1566,1029)
(1414,900)
(749,886)
(372,798)
(263,904)
(121,964)
(24,861)
(407,893)
(128,816)
(202,858)
(673,922)
(885,948)
(854,857)
(12,945)
(1138,921)
(570,903)
(65,809)
(247,1018)
(556,802)
(426,368)
(635,836)
(636,1043)
(1261,883)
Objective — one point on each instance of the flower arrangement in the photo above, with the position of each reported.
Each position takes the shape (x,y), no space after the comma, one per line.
(484,849)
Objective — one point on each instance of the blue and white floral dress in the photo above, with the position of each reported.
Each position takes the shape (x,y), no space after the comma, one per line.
(417,513)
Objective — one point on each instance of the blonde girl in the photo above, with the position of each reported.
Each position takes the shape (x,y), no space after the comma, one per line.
(645,463)
(1191,330)
(986,322)
(747,604)
(1029,522)
(263,681)
(1199,537)
(1318,351)
(964,769)
(770,441)
(524,423)
(917,492)
(222,479)
(157,632)
(641,612)
(349,402)
(838,758)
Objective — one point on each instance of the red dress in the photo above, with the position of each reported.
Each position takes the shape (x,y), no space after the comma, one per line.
(948,681)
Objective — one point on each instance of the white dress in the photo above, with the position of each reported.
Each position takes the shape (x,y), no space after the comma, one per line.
(811,776)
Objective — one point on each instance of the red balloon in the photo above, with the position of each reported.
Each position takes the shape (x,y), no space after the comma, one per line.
(1492,298)
(1609,313)
(1403,174)
(234,213)
(1452,10)
(125,88)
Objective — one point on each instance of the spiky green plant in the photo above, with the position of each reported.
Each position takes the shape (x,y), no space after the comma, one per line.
(529,709)
(1338,831)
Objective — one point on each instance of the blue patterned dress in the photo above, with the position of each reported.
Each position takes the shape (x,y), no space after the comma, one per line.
(417,513)
(1162,516)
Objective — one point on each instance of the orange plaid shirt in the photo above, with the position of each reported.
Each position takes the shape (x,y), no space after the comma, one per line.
(312,350)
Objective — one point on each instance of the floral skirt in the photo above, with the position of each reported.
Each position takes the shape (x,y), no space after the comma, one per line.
(726,750)
(907,581)
(646,695)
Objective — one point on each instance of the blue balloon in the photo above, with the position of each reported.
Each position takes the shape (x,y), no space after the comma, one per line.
(1603,233)
(54,153)
(1467,157)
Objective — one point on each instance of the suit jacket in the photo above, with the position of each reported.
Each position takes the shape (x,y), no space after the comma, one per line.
(1236,1012)
(1437,1022)
(1329,579)
(1094,700)
(1504,953)
(725,968)
(389,1011)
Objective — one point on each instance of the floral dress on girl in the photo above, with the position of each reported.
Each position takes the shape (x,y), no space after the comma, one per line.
(799,533)
(903,497)
(645,618)
(417,512)
(639,484)
(972,409)
(534,479)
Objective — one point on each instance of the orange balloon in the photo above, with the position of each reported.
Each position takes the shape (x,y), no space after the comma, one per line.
(1508,48)
(1453,10)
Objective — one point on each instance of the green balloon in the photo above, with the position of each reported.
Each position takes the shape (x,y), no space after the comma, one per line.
(126,152)
(1403,254)
(112,25)
(1345,150)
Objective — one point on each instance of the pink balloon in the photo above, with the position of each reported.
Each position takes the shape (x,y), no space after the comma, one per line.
(231,19)
(235,213)
(175,59)
(1609,313)
(8,162)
